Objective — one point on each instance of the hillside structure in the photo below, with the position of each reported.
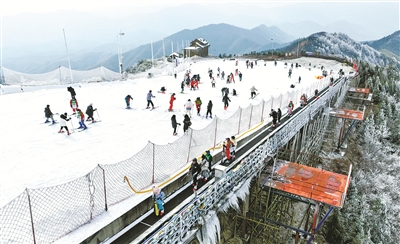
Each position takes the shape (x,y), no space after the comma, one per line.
(198,47)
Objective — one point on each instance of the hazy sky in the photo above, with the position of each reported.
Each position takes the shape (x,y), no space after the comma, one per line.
(113,8)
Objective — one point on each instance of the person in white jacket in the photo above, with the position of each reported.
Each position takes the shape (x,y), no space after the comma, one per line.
(63,123)
(188,107)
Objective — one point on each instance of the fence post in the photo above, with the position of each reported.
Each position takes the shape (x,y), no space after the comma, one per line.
(262,111)
(251,114)
(104,185)
(240,117)
(30,211)
(190,144)
(215,134)
(152,180)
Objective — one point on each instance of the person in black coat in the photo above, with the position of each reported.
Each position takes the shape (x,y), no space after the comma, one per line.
(89,112)
(274,115)
(48,114)
(72,91)
(174,124)
(209,108)
(195,170)
(186,123)
(226,101)
(279,115)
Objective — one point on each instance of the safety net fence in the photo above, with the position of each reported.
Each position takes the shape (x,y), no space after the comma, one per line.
(44,215)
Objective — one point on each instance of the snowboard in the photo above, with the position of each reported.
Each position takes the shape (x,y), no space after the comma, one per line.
(254,96)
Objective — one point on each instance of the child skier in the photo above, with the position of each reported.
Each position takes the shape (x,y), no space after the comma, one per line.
(198,103)
(81,118)
(63,123)
(226,101)
(174,124)
(186,123)
(74,105)
(128,99)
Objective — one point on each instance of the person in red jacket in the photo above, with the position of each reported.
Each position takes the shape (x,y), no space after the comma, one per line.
(171,101)
(227,147)
(74,105)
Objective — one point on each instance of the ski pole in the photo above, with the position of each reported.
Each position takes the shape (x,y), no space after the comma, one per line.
(157,101)
(98,114)
(72,125)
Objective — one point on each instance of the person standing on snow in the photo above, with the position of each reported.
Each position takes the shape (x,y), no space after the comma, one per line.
(186,123)
(74,105)
(149,96)
(240,76)
(48,114)
(171,102)
(226,101)
(188,107)
(198,103)
(174,124)
(72,91)
(128,99)
(195,170)
(63,122)
(213,82)
(253,91)
(209,108)
(89,112)
(182,86)
(81,118)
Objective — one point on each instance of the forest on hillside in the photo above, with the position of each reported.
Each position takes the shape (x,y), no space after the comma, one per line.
(371,213)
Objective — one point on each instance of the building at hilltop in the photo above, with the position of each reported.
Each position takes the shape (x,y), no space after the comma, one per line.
(198,47)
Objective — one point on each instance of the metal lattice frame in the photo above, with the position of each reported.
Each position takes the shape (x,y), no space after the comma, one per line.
(216,194)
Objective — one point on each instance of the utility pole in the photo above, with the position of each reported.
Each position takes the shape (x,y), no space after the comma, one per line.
(272,40)
(297,47)
(119,37)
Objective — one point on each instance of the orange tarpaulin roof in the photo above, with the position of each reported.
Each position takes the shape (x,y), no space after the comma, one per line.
(346,113)
(317,184)
(359,90)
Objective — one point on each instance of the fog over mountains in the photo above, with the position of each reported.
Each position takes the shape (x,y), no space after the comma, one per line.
(34,43)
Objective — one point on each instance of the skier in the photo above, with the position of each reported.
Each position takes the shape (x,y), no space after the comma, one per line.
(188,107)
(89,112)
(163,89)
(195,170)
(81,118)
(226,101)
(213,82)
(48,114)
(158,197)
(279,115)
(72,91)
(171,101)
(253,91)
(234,92)
(227,147)
(274,116)
(240,76)
(63,122)
(149,96)
(209,108)
(299,79)
(223,75)
(174,124)
(198,103)
(175,74)
(186,123)
(290,108)
(128,101)
(74,105)
(290,73)
(182,86)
